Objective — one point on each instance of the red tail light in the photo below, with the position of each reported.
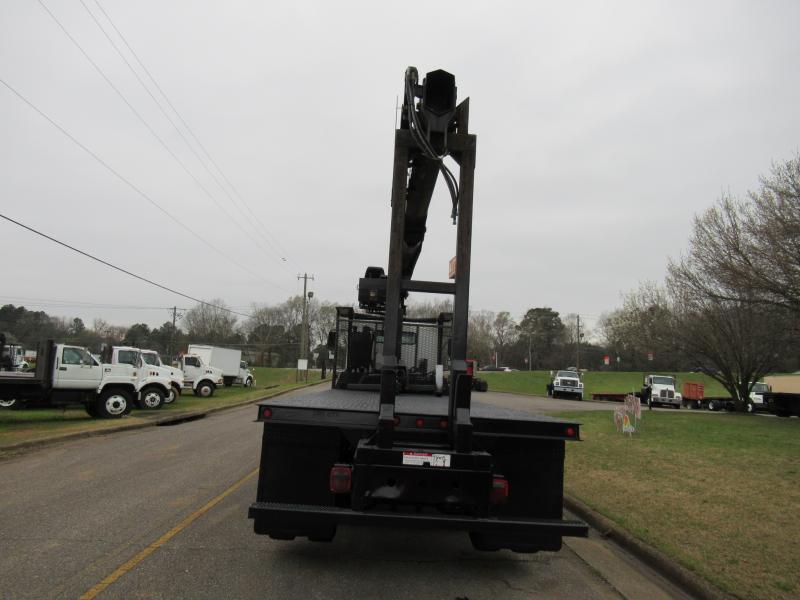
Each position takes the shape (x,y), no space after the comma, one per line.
(570,432)
(420,422)
(341,479)
(266,413)
(397,421)
(499,492)
(443,424)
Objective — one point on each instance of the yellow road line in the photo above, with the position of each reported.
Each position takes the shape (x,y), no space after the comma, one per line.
(124,568)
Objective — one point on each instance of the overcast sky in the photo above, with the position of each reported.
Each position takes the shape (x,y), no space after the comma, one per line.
(603,127)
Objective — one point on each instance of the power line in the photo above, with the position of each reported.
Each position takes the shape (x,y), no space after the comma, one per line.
(144,121)
(275,246)
(134,187)
(191,132)
(56,303)
(120,269)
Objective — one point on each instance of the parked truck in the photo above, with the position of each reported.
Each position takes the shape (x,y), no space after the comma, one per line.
(153,385)
(659,390)
(153,361)
(380,448)
(229,360)
(201,378)
(12,356)
(565,383)
(694,397)
(67,374)
(783,397)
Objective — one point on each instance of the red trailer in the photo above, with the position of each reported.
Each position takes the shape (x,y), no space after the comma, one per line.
(692,394)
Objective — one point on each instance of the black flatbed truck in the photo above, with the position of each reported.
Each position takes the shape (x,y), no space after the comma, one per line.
(379,448)
(782,404)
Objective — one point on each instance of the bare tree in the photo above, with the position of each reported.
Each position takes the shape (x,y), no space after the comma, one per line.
(750,250)
(429,308)
(210,322)
(504,331)
(734,340)
(480,338)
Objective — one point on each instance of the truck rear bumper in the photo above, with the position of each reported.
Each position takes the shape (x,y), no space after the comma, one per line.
(279,516)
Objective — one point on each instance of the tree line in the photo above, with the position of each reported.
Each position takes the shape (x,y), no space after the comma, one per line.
(270,336)
(729,307)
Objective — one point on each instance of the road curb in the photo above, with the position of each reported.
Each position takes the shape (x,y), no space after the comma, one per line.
(687,580)
(185,416)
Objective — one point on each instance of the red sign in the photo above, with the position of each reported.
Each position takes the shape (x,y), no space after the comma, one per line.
(606,359)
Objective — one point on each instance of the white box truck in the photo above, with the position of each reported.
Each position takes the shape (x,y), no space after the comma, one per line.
(229,360)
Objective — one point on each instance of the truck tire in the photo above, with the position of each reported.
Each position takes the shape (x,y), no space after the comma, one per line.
(205,389)
(112,403)
(711,406)
(248,382)
(12,404)
(151,398)
(751,408)
(91,409)
(174,394)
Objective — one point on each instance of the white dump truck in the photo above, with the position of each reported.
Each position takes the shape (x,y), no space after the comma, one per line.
(68,374)
(234,369)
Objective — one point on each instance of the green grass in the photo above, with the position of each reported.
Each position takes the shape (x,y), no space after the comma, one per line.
(36,423)
(535,382)
(720,493)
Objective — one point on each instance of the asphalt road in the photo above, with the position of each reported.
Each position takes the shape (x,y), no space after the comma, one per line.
(161,513)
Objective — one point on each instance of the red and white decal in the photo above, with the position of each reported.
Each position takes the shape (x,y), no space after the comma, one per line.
(426,459)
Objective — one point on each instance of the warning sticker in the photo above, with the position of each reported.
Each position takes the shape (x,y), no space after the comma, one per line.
(426,459)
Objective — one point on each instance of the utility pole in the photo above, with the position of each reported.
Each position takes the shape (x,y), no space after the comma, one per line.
(172,333)
(578,344)
(304,329)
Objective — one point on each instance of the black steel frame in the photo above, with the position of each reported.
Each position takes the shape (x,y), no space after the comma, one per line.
(462,147)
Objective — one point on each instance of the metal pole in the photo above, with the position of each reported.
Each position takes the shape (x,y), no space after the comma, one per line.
(304,328)
(578,344)
(530,360)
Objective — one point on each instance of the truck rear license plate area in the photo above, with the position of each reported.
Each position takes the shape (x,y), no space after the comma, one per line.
(453,483)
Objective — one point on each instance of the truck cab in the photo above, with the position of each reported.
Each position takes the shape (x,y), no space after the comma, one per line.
(757,397)
(245,375)
(566,383)
(12,358)
(199,377)
(662,391)
(152,359)
(152,384)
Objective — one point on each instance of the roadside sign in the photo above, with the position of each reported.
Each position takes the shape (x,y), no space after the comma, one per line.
(650,356)
(302,364)
(606,359)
